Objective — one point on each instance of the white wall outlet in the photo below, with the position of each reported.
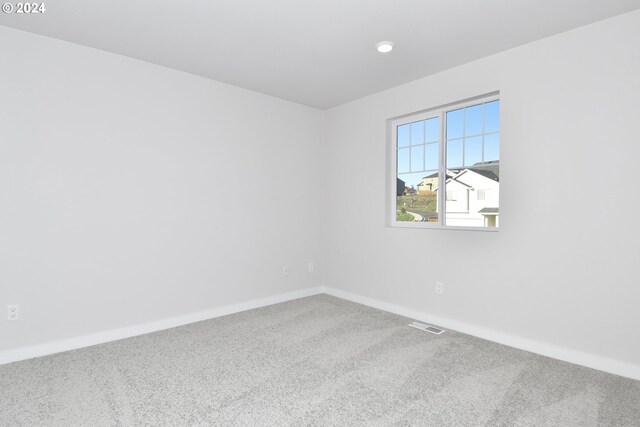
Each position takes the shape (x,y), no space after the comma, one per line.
(439,288)
(312,267)
(13,312)
(285,271)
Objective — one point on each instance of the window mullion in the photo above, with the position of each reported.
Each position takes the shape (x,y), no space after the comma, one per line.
(482,145)
(442,170)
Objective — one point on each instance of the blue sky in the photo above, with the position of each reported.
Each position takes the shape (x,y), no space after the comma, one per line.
(472,137)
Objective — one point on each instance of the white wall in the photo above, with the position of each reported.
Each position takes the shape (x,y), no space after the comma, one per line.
(131,192)
(563,269)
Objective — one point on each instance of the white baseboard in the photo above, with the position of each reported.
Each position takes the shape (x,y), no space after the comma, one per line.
(557,352)
(44,349)
(576,357)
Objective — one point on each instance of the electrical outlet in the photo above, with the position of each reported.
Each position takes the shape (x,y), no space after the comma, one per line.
(13,312)
(285,271)
(439,288)
(312,267)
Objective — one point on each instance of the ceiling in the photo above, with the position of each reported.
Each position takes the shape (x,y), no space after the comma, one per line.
(315,52)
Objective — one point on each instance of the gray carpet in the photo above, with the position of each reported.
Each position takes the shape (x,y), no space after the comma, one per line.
(314,361)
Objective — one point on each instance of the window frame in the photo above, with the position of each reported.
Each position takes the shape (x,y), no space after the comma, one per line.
(441,113)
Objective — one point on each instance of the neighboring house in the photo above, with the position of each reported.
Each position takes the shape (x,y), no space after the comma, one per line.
(400,186)
(472,196)
(428,184)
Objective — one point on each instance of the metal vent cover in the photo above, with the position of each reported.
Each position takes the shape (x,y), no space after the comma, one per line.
(425,327)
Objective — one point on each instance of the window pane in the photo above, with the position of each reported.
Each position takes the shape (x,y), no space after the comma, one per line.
(454,154)
(417,158)
(432,131)
(403,160)
(417,132)
(492,116)
(455,122)
(473,120)
(491,147)
(431,157)
(416,198)
(401,200)
(473,195)
(403,135)
(472,150)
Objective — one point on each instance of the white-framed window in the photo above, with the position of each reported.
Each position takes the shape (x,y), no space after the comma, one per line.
(445,165)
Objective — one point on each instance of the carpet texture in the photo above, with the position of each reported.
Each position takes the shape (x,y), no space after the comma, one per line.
(314,361)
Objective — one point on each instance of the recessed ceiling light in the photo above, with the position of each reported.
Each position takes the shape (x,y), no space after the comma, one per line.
(385,47)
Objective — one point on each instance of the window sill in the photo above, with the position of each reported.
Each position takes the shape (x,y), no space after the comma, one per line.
(427,226)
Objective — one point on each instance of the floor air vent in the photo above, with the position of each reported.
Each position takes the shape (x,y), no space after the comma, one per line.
(427,328)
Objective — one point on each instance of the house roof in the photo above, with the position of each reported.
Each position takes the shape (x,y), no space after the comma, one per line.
(489,211)
(486,173)
(433,175)
(455,174)
(492,166)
